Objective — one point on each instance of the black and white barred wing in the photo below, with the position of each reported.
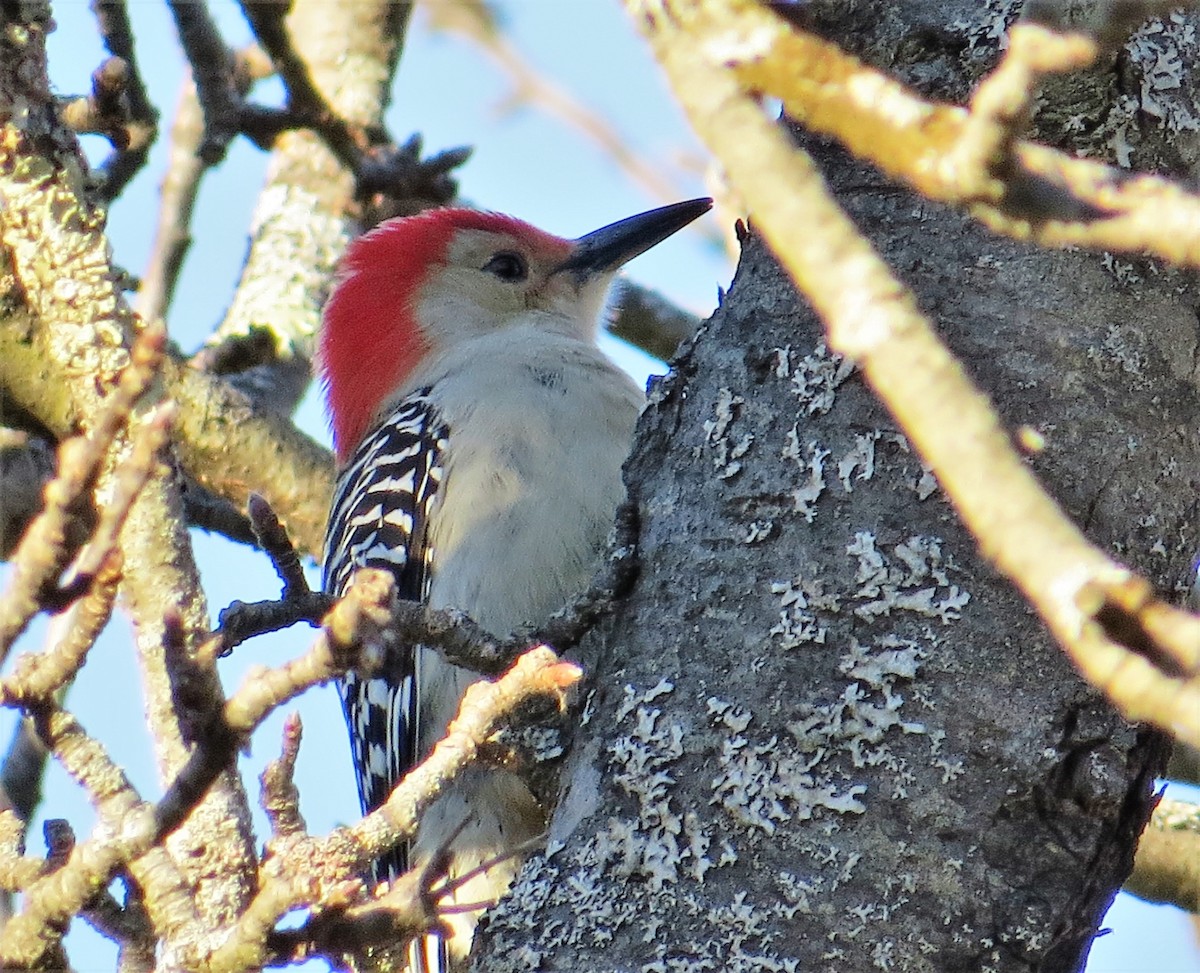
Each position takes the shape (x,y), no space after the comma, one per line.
(378,520)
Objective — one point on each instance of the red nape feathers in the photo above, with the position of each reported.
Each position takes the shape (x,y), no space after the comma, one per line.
(370,339)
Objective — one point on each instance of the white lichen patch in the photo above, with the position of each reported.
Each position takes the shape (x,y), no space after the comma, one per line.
(860,459)
(1165,50)
(885,587)
(989,26)
(799,600)
(727,452)
(767,784)
(758,531)
(857,723)
(811,461)
(650,872)
(1122,271)
(734,717)
(668,854)
(1123,347)
(1162,53)
(927,484)
(639,763)
(815,377)
(538,744)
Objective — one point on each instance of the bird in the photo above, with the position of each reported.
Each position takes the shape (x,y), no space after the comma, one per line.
(479,433)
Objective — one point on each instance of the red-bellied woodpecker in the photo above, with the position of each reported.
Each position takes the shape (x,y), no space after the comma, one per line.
(480,434)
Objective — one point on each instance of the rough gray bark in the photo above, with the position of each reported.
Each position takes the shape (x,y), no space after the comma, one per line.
(823,734)
(823,731)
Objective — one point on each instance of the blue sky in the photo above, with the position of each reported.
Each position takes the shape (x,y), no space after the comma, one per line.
(525,163)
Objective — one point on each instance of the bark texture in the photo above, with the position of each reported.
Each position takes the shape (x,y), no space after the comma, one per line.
(823,735)
(823,732)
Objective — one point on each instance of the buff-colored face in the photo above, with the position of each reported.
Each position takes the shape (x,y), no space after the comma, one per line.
(495,280)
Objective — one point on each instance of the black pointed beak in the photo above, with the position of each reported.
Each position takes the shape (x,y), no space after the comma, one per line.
(609,247)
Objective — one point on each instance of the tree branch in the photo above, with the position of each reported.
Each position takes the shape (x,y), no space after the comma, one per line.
(970,158)
(43,553)
(1167,865)
(302,871)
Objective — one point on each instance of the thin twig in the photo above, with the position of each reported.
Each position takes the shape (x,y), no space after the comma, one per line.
(242,620)
(118,107)
(274,540)
(268,21)
(212,67)
(355,623)
(36,677)
(474,23)
(305,871)
(1167,865)
(147,440)
(180,186)
(280,797)
(42,555)
(453,633)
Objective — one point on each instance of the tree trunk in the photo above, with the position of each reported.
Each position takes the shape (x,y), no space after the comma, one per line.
(823,734)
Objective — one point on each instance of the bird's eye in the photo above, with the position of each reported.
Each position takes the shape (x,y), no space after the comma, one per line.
(507,266)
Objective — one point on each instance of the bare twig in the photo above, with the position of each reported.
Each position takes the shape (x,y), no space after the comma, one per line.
(212,67)
(305,871)
(356,623)
(104,111)
(244,620)
(223,442)
(273,539)
(1143,653)
(298,602)
(148,439)
(43,554)
(210,512)
(36,677)
(181,183)
(407,909)
(279,796)
(125,835)
(475,23)
(1167,865)
(453,633)
(112,18)
(127,928)
(118,107)
(982,159)
(268,22)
